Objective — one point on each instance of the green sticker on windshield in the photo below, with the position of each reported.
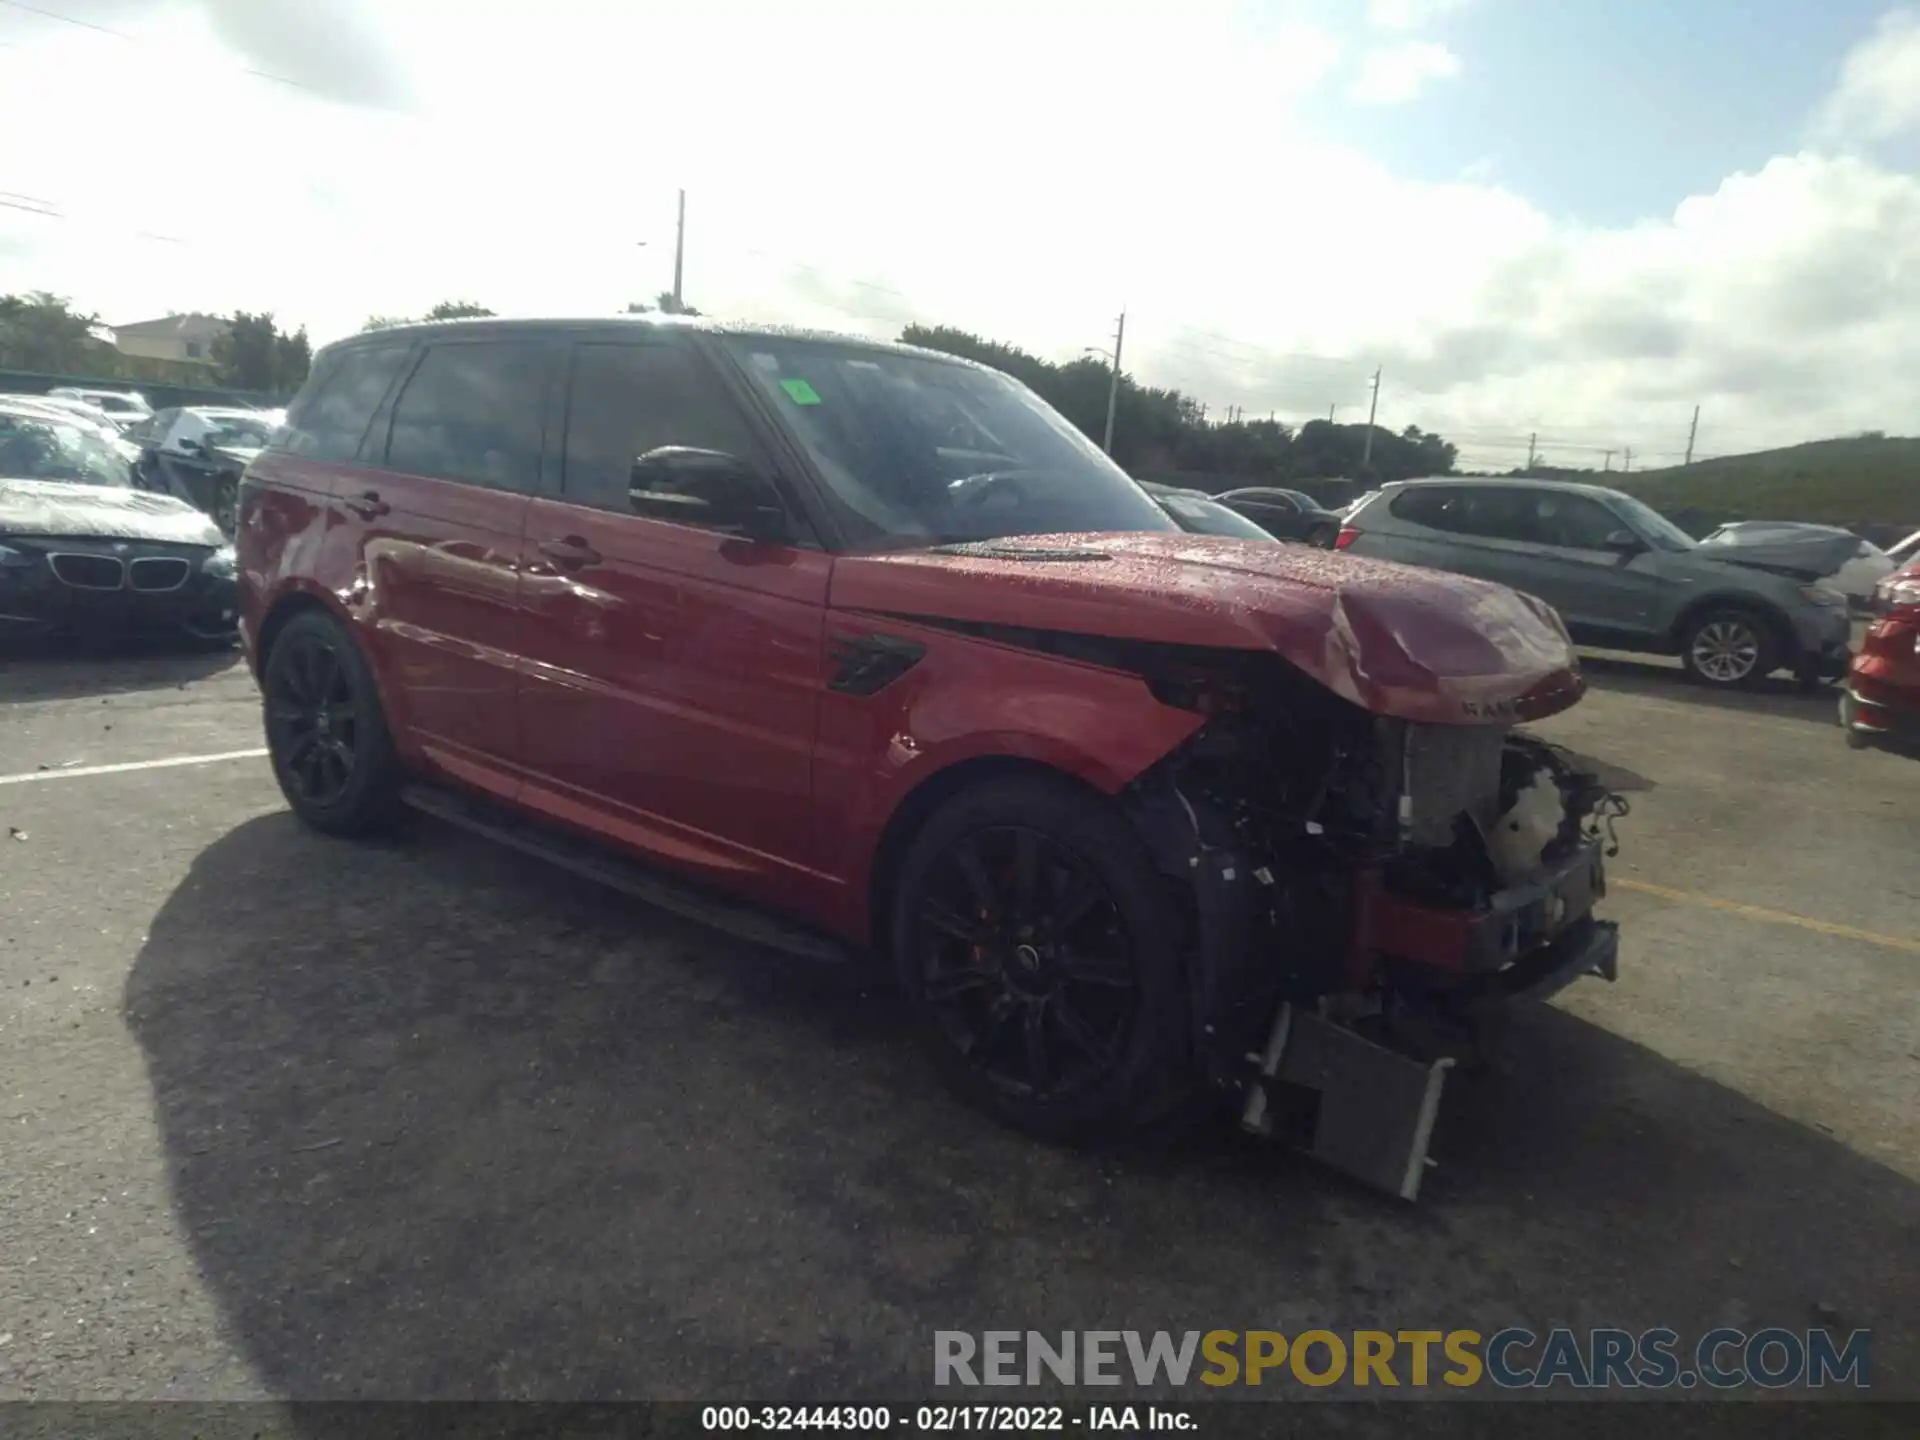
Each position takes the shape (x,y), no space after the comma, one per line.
(800,392)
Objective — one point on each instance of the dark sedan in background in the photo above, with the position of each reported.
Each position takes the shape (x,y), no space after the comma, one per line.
(1285,514)
(198,453)
(1198,513)
(83,552)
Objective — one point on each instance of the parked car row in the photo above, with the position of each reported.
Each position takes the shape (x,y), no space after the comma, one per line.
(196,453)
(82,550)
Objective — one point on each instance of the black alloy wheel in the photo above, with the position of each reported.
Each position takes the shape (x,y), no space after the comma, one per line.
(313,718)
(1025,963)
(1041,950)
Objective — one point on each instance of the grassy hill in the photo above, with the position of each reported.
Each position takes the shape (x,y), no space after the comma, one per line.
(1838,482)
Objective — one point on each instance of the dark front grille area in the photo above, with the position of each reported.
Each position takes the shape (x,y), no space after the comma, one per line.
(88,572)
(159,572)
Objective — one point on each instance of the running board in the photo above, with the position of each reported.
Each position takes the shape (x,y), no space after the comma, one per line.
(609,868)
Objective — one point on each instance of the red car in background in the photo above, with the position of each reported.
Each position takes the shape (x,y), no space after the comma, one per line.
(861,650)
(1880,704)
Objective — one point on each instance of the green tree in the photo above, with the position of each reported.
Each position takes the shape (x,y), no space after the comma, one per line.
(458,310)
(41,331)
(663,304)
(1166,433)
(253,354)
(445,310)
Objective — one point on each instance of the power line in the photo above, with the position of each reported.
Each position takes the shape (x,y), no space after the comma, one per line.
(66,19)
(133,39)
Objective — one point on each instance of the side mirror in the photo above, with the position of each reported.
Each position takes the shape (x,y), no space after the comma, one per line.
(710,488)
(1625,542)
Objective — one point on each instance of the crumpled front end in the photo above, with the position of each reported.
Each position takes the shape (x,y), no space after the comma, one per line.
(1367,892)
(1395,640)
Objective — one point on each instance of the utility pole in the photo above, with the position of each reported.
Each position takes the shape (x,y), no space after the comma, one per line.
(1629,460)
(1692,431)
(1330,410)
(1532,440)
(679,251)
(1113,381)
(1366,446)
(1609,460)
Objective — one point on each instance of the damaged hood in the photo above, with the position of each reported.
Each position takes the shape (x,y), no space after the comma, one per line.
(1810,554)
(58,508)
(1415,644)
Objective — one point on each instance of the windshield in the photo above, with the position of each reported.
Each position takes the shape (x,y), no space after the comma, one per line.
(1654,528)
(1210,517)
(36,449)
(918,451)
(240,432)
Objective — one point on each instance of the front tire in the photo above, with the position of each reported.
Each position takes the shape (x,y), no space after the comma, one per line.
(1728,649)
(1040,951)
(326,732)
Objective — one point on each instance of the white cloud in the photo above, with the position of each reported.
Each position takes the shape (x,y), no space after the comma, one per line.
(1085,156)
(1406,15)
(1395,74)
(1878,95)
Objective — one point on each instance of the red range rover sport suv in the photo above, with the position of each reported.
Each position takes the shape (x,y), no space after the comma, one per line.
(865,652)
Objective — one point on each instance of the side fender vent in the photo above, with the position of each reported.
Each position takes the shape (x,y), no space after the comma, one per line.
(867,664)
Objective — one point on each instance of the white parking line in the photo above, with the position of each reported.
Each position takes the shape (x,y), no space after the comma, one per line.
(85,770)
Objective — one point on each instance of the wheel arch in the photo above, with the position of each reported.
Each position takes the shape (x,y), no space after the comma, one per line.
(1760,609)
(292,603)
(921,803)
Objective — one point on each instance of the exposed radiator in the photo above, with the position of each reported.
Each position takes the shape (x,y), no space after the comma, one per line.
(1447,769)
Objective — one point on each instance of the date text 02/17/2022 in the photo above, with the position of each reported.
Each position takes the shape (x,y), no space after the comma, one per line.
(941,1419)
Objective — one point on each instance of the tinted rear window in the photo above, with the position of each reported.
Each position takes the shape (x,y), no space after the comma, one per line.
(473,412)
(1489,511)
(330,415)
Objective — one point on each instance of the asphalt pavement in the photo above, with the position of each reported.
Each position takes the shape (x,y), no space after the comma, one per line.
(286,1116)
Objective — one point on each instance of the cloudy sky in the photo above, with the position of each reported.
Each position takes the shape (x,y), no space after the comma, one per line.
(1575,218)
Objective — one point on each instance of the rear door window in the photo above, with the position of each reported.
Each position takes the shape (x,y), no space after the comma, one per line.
(1434,506)
(329,417)
(628,399)
(474,412)
(1489,512)
(1568,522)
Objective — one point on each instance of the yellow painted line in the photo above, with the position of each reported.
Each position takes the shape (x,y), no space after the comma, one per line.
(1771,917)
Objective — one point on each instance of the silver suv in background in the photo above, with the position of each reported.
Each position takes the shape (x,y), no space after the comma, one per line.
(1622,576)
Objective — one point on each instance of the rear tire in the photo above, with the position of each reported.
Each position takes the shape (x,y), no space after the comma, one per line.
(1729,648)
(1040,951)
(326,732)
